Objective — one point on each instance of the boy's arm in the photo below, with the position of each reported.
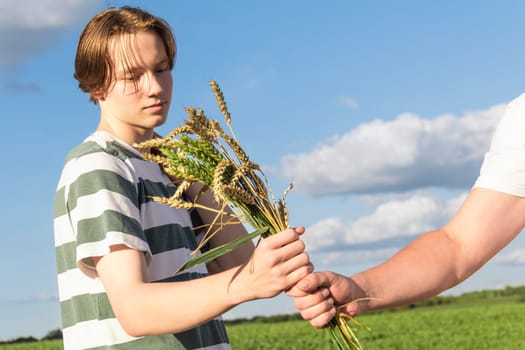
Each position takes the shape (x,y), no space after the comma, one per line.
(232,230)
(145,308)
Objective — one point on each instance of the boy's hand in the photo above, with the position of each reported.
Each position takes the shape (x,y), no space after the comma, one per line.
(278,263)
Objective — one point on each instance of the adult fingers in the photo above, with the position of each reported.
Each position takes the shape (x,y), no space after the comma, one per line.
(317,310)
(309,300)
(321,320)
(313,282)
(295,292)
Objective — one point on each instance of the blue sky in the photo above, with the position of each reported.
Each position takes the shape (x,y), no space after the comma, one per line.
(380,112)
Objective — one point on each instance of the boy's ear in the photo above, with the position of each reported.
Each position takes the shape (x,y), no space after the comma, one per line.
(98,96)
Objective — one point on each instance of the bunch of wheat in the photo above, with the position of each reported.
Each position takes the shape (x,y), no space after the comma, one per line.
(200,151)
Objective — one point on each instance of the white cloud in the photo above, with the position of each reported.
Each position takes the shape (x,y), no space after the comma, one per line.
(514,257)
(33,26)
(408,217)
(406,153)
(348,101)
(355,257)
(38,298)
(392,220)
(326,233)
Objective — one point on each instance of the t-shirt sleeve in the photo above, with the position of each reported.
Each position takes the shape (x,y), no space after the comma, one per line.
(503,167)
(103,208)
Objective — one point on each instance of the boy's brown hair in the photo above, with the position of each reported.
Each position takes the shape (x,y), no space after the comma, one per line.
(94,68)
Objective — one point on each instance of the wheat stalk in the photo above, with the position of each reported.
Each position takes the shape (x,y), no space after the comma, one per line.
(200,151)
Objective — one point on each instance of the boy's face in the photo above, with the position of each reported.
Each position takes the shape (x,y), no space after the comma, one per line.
(136,103)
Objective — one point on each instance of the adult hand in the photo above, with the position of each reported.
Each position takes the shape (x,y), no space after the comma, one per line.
(317,295)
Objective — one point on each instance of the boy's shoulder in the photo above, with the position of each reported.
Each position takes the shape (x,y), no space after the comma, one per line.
(102,143)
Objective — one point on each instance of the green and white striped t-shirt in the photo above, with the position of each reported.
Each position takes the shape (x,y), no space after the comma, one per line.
(104,198)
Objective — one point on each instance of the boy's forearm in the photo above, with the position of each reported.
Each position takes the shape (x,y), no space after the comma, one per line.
(238,256)
(161,308)
(226,227)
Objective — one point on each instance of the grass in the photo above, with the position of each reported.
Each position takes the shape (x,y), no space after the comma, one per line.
(39,345)
(480,324)
(480,327)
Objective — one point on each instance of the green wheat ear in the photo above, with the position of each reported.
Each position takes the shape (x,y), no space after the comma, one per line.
(201,152)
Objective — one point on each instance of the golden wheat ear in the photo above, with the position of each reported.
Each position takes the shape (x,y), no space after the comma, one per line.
(201,151)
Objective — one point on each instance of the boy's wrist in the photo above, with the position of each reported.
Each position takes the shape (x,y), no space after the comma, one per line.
(238,292)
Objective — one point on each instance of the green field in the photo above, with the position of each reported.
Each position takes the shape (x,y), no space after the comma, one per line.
(39,345)
(479,324)
(496,326)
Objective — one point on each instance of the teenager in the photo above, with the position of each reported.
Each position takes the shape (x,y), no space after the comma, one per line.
(117,250)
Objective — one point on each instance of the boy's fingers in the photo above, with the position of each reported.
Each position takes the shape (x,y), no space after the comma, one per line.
(285,237)
(300,230)
(291,250)
(282,238)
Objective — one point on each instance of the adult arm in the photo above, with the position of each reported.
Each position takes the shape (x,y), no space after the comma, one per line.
(487,221)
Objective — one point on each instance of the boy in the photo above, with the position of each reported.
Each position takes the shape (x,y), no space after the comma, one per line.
(116,249)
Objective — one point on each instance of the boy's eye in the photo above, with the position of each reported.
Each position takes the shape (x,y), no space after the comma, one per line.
(129,76)
(134,77)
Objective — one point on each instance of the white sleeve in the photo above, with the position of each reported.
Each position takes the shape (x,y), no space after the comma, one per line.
(503,166)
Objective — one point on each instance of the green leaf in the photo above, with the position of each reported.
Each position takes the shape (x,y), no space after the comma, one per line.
(221,250)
